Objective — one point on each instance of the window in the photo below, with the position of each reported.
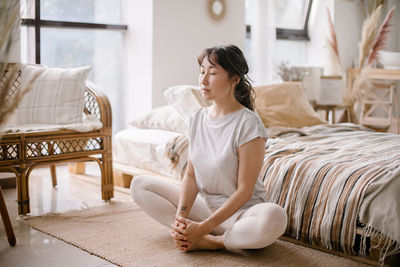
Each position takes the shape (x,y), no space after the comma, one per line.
(291,19)
(70,33)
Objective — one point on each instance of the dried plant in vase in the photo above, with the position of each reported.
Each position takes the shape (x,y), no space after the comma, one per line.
(369,6)
(288,73)
(10,95)
(373,40)
(334,68)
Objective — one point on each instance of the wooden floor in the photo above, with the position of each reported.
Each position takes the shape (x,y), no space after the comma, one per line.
(73,192)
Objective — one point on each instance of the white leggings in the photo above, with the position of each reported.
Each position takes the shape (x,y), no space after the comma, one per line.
(252,228)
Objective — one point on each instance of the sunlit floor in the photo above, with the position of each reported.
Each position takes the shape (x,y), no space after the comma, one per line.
(35,248)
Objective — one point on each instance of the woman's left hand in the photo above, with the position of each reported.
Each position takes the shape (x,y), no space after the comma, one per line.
(193,230)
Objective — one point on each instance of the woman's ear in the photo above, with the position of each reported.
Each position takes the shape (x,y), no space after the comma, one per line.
(235,81)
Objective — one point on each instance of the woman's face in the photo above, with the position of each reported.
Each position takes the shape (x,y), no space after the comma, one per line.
(214,81)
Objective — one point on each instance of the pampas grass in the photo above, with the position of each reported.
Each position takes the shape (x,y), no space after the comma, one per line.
(332,40)
(380,40)
(368,35)
(9,11)
(373,39)
(334,58)
(10,95)
(369,6)
(360,84)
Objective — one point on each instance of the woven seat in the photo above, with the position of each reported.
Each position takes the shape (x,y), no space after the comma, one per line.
(21,152)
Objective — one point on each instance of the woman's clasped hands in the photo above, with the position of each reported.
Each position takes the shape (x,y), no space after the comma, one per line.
(186,233)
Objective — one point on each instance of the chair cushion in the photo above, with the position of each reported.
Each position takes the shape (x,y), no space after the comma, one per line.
(56,97)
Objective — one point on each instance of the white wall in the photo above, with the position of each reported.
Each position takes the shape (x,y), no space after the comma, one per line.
(348,20)
(137,84)
(317,29)
(163,40)
(182,28)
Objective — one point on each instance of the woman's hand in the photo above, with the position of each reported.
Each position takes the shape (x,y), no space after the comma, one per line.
(180,240)
(193,231)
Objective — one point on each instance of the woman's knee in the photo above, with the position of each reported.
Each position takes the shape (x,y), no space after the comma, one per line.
(147,188)
(269,216)
(138,185)
(274,217)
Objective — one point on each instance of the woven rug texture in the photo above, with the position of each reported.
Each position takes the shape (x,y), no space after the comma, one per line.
(123,234)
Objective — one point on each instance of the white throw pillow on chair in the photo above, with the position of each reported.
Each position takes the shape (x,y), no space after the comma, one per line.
(56,97)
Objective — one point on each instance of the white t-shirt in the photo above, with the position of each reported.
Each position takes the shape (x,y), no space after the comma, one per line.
(214,144)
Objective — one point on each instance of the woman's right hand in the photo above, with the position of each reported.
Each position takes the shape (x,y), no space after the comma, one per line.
(180,240)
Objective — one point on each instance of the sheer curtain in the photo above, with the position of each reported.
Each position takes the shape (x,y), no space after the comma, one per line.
(263,37)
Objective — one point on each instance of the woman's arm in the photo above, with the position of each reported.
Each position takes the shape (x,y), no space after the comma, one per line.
(251,156)
(187,196)
(189,191)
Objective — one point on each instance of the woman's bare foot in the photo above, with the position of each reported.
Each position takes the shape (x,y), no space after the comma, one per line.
(208,242)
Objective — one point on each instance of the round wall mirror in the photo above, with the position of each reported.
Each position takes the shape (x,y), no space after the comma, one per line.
(216,9)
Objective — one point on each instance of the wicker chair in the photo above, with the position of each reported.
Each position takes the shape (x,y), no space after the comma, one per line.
(21,152)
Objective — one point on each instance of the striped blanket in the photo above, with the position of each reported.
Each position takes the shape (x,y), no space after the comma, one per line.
(321,175)
(176,151)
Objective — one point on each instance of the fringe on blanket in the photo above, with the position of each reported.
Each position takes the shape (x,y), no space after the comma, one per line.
(385,245)
(175,149)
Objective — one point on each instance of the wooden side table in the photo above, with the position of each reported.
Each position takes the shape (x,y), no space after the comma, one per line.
(331,109)
(384,75)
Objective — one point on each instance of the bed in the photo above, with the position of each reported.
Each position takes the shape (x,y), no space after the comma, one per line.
(338,183)
(154,150)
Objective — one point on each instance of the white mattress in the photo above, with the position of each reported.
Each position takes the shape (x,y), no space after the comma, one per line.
(145,149)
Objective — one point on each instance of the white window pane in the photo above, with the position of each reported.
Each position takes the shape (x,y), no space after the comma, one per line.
(27,37)
(100,49)
(248,18)
(290,14)
(93,11)
(27,9)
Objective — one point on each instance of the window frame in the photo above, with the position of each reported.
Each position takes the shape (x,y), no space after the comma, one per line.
(291,34)
(295,34)
(38,23)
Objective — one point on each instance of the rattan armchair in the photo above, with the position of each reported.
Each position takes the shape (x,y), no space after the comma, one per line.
(21,152)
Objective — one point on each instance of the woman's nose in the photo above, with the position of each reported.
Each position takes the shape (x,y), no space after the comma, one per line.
(204,78)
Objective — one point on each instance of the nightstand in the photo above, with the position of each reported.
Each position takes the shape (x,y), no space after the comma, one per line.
(331,110)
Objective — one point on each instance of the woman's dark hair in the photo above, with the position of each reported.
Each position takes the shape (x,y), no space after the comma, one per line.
(231,59)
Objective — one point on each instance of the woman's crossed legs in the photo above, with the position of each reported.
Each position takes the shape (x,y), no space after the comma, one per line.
(256,227)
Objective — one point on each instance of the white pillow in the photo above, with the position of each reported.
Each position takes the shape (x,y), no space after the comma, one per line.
(164,118)
(186,99)
(56,97)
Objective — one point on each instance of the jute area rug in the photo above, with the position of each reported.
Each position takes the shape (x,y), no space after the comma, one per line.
(123,234)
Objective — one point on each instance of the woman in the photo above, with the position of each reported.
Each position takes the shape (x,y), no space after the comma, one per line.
(221,203)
